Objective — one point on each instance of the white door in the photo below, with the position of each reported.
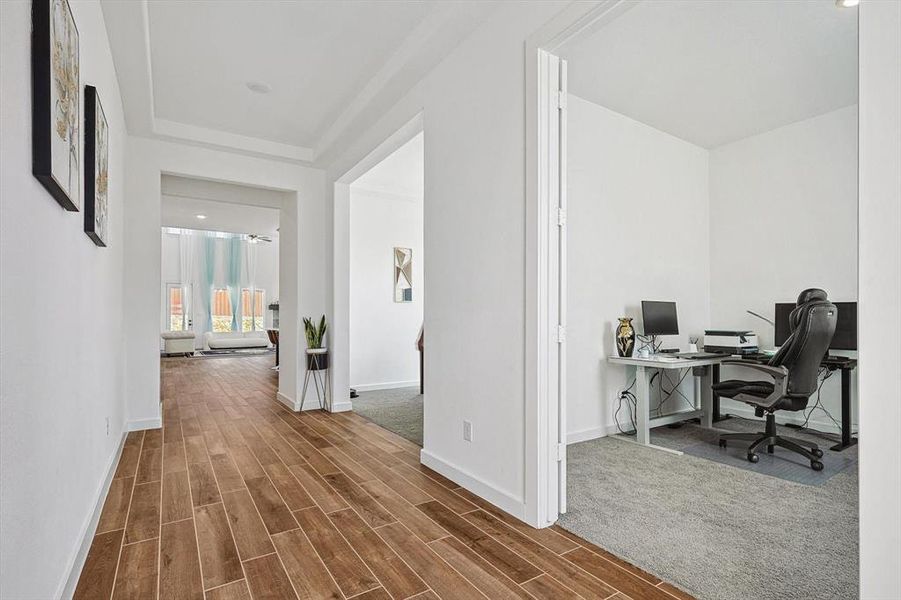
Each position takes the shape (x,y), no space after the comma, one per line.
(561,288)
(552,136)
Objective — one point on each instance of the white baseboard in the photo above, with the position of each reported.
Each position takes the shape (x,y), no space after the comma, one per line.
(740,410)
(67,586)
(142,424)
(289,402)
(501,499)
(388,385)
(343,406)
(592,433)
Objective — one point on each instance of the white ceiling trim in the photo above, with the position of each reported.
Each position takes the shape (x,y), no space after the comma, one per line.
(223,140)
(128,30)
(409,48)
(135,74)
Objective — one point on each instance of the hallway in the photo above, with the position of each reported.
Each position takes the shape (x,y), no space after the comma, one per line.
(237,497)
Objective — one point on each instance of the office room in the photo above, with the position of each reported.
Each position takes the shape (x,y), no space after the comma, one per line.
(725,136)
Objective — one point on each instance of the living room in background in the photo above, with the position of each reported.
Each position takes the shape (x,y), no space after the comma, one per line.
(221,261)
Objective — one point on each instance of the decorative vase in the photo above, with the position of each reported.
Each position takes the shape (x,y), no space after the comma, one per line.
(317,359)
(625,337)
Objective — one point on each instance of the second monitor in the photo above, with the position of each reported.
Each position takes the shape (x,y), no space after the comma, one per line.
(659,318)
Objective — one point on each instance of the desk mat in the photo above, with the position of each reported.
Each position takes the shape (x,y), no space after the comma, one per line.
(783,464)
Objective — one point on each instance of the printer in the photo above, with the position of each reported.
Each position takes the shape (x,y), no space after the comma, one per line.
(726,341)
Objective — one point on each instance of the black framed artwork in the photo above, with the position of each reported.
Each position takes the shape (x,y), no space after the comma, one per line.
(96,168)
(55,101)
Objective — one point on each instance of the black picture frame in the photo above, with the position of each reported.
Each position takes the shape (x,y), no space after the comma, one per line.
(44,105)
(96,162)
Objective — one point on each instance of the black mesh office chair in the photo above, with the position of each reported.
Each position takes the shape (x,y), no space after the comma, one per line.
(795,371)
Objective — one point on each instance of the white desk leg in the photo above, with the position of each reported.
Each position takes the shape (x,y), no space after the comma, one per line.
(643,401)
(705,384)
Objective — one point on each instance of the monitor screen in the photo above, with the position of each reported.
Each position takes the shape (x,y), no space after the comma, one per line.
(845,337)
(659,318)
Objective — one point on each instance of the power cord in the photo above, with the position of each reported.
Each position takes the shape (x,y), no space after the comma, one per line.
(627,396)
(818,404)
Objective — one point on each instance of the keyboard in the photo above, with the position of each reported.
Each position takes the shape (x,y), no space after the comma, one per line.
(699,355)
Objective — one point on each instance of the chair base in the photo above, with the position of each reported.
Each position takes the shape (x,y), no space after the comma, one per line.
(770,439)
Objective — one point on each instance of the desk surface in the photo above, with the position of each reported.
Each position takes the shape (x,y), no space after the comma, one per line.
(657,362)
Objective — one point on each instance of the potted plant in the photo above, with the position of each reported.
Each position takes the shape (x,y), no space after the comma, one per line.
(317,356)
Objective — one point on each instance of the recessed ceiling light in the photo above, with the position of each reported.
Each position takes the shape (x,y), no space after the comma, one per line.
(201,217)
(846,3)
(258,87)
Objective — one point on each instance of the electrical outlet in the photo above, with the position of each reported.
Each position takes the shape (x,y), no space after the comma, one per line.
(467,431)
(107,426)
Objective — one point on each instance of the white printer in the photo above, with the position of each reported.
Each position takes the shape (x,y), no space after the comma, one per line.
(730,342)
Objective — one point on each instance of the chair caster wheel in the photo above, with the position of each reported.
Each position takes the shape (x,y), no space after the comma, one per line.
(817,452)
(816,465)
(722,443)
(753,457)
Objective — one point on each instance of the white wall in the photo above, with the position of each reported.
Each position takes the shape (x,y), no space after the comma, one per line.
(305,253)
(473,109)
(783,217)
(879,315)
(61,347)
(266,279)
(383,332)
(636,230)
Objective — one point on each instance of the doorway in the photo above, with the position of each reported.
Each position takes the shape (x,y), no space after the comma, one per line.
(659,190)
(387,291)
(220,257)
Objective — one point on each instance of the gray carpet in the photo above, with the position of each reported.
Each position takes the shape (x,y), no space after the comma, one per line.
(398,410)
(719,532)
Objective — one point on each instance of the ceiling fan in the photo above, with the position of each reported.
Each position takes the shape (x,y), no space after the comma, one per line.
(254,238)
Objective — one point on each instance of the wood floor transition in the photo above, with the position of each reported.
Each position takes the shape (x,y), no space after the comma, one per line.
(236,497)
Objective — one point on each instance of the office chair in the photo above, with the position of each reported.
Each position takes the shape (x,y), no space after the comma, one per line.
(795,372)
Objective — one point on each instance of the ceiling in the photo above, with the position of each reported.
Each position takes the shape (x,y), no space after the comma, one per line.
(400,174)
(716,72)
(178,211)
(183,67)
(226,206)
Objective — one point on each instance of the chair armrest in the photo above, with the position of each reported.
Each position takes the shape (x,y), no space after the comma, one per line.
(780,382)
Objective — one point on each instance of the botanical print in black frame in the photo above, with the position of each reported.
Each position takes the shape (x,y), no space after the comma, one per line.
(96,168)
(55,100)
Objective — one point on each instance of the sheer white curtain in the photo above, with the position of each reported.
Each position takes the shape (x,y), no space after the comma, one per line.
(211,260)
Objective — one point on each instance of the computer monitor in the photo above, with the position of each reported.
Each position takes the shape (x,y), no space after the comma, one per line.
(659,318)
(845,337)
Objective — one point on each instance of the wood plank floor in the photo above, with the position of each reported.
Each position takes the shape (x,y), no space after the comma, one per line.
(237,497)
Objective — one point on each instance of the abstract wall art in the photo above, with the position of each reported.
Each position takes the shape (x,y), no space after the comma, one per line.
(55,101)
(403,275)
(96,168)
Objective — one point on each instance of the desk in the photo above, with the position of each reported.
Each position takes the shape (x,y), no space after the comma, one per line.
(702,369)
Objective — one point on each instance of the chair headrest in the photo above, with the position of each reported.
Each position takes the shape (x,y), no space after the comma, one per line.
(812,295)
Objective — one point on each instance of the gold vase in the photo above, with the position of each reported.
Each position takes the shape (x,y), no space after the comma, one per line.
(625,337)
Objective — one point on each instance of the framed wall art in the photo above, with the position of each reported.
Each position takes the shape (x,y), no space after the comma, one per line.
(55,100)
(403,275)
(96,168)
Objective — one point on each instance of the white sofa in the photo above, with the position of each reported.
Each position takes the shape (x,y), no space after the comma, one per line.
(178,342)
(235,339)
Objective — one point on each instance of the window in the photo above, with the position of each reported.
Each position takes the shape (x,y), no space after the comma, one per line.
(221,312)
(252,316)
(178,297)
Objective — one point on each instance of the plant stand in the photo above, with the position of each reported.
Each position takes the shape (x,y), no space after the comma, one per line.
(321,375)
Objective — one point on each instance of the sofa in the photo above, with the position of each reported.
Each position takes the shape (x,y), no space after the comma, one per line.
(234,340)
(178,342)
